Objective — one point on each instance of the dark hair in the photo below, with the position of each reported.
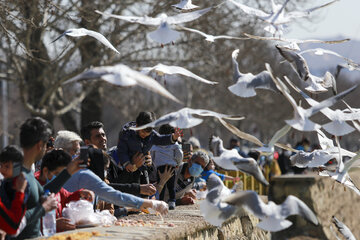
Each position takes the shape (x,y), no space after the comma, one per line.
(34,130)
(234,139)
(145,118)
(54,159)
(166,129)
(11,153)
(86,130)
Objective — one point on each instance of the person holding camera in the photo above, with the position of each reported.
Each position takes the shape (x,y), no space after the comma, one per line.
(134,146)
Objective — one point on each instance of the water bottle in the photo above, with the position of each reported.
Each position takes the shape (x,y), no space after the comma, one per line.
(49,221)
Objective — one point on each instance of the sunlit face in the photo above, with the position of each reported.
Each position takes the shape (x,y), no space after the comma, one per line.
(98,138)
(6,169)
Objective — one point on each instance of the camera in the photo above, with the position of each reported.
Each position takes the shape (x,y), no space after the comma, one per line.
(84,155)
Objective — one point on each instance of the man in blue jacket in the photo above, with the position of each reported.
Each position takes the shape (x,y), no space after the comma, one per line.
(134,145)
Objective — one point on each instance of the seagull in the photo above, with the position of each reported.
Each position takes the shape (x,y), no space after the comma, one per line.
(184,118)
(208,37)
(164,34)
(231,160)
(338,125)
(80,32)
(185,5)
(351,65)
(246,83)
(269,148)
(315,84)
(212,208)
(273,216)
(162,69)
(292,44)
(301,119)
(343,229)
(314,159)
(123,76)
(278,16)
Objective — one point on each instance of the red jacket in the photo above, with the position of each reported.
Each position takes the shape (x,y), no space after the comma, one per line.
(10,218)
(63,196)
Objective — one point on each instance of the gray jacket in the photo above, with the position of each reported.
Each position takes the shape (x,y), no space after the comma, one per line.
(167,155)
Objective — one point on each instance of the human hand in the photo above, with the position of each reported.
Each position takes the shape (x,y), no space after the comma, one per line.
(87,195)
(160,206)
(148,159)
(186,200)
(64,224)
(50,203)
(73,166)
(187,156)
(147,189)
(191,193)
(130,167)
(138,159)
(20,183)
(166,175)
(178,133)
(2,235)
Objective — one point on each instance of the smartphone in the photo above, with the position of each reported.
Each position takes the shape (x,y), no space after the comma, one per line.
(16,169)
(186,147)
(50,143)
(84,155)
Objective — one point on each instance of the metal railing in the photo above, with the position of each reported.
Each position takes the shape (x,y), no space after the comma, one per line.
(249,182)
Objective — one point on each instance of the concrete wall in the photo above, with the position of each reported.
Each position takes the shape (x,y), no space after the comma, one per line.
(325,197)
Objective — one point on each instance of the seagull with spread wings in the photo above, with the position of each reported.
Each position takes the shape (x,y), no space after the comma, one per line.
(186,118)
(164,34)
(162,69)
(315,84)
(301,117)
(343,229)
(273,216)
(80,32)
(246,83)
(123,76)
(208,37)
(231,160)
(185,5)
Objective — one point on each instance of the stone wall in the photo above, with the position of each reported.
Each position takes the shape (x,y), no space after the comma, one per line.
(325,197)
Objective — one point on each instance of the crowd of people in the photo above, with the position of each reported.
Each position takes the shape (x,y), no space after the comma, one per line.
(147,169)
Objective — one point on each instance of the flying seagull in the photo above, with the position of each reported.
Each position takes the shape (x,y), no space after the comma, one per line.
(273,216)
(231,160)
(162,69)
(246,83)
(208,37)
(80,32)
(278,16)
(338,125)
(185,5)
(315,84)
(123,76)
(164,34)
(301,117)
(343,229)
(292,44)
(186,118)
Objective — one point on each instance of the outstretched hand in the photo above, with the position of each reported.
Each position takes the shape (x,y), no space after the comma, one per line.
(177,134)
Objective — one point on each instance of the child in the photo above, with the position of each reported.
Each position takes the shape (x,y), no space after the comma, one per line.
(168,155)
(13,190)
(209,169)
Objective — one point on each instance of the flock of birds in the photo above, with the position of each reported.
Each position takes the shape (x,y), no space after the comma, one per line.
(221,202)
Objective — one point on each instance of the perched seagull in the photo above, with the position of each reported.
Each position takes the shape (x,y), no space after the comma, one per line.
(162,69)
(80,32)
(212,208)
(123,76)
(246,83)
(208,37)
(185,5)
(184,118)
(301,119)
(351,65)
(164,34)
(343,229)
(278,16)
(292,44)
(338,125)
(315,84)
(231,160)
(273,216)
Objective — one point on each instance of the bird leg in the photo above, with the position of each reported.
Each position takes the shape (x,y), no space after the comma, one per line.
(162,45)
(172,42)
(333,186)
